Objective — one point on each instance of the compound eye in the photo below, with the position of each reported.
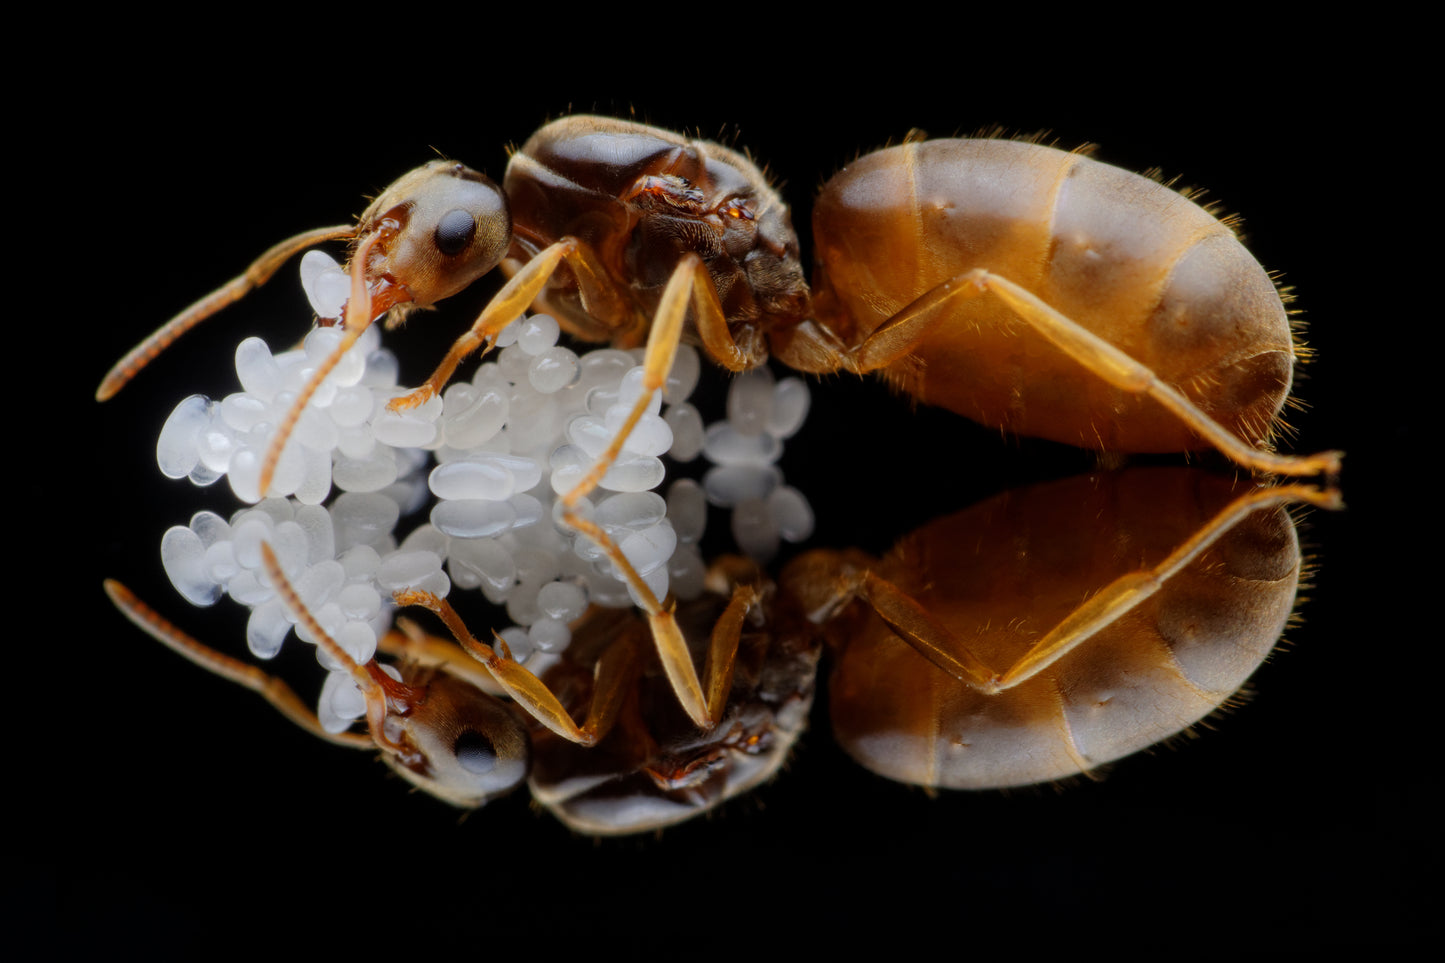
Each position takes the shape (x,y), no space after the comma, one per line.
(475,753)
(454,232)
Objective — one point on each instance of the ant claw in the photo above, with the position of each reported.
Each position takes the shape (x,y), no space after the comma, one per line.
(413,399)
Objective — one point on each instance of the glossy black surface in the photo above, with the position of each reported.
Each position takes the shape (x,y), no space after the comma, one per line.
(175,808)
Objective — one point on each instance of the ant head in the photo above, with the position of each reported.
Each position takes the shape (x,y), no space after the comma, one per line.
(435,728)
(461,745)
(441,227)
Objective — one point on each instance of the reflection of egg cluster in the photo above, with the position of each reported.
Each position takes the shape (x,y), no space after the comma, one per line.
(525,430)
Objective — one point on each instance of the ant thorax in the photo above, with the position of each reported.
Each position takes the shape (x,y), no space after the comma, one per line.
(490,457)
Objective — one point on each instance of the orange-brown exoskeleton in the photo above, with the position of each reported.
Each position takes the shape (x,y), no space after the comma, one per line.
(1053,296)
(1053,629)
(1027,287)
(1020,285)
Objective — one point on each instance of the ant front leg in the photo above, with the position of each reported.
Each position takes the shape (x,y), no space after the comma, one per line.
(896,338)
(616,671)
(521,290)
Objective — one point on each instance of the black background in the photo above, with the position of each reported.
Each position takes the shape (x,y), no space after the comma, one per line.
(173,808)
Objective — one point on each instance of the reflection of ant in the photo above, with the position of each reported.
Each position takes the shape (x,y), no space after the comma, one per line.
(431,715)
(1075,623)
(434,725)
(1148,325)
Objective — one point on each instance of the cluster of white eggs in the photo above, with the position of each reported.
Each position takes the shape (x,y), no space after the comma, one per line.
(506,445)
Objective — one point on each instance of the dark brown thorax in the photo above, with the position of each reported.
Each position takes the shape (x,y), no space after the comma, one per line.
(642,198)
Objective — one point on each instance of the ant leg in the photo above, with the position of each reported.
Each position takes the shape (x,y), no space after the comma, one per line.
(912,624)
(1124,593)
(256,275)
(689,281)
(600,295)
(508,304)
(672,651)
(712,324)
(895,339)
(723,649)
(662,344)
(616,671)
(410,642)
(274,690)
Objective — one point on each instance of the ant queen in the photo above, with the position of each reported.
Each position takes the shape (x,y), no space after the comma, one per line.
(1027,288)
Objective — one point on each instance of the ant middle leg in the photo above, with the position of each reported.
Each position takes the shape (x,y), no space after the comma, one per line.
(689,282)
(616,670)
